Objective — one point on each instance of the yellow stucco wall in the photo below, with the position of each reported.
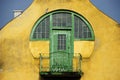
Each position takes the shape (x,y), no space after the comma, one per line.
(38,47)
(17,58)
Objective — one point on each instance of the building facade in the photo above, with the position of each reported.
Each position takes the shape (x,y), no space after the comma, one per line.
(60,39)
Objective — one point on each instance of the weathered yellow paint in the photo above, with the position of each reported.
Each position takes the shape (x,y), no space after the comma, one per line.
(18,55)
(45,65)
(85,48)
(76,62)
(39,47)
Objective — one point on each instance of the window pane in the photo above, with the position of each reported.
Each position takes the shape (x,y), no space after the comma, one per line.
(62,20)
(61,42)
(81,30)
(42,29)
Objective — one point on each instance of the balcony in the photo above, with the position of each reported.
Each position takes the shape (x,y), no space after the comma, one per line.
(60,65)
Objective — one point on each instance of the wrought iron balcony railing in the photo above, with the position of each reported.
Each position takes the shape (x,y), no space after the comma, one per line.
(60,63)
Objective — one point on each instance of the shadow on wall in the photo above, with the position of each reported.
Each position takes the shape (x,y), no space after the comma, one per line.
(119,25)
(1,67)
(59,78)
(1,64)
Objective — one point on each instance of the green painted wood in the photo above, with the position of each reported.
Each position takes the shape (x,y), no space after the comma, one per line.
(51,27)
(61,60)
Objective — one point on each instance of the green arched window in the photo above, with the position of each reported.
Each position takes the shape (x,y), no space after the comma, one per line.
(41,30)
(80,27)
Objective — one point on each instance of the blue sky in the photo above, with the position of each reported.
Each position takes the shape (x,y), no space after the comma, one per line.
(109,7)
(7,7)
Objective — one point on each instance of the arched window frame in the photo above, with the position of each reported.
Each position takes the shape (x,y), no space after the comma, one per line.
(64,11)
(89,26)
(35,26)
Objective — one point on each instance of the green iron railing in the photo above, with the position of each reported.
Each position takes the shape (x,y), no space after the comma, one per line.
(61,64)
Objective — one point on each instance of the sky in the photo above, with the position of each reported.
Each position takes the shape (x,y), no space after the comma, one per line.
(109,7)
(7,7)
